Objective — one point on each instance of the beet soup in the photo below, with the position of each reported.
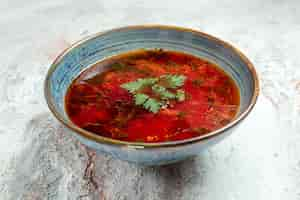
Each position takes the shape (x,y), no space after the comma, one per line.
(152,96)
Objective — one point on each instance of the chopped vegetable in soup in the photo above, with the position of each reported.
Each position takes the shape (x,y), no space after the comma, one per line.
(152,96)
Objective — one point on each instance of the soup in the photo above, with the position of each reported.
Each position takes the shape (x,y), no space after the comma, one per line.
(152,96)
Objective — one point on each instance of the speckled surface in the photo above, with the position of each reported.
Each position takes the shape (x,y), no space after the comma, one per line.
(39,161)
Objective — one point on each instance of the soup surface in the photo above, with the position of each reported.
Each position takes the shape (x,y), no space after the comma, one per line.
(152,96)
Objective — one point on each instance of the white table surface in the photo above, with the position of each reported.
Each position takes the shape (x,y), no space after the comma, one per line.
(38,160)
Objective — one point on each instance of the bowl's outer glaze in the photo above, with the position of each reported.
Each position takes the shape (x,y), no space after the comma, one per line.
(85,53)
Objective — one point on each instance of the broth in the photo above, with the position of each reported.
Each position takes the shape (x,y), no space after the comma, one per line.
(152,96)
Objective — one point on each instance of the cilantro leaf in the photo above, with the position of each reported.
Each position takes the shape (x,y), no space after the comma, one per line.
(140,99)
(134,86)
(162,92)
(152,105)
(160,88)
(174,81)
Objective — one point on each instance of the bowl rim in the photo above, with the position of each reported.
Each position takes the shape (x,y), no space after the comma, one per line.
(141,145)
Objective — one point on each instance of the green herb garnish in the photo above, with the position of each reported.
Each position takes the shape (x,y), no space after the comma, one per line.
(162,92)
(140,99)
(134,86)
(173,81)
(163,89)
(152,105)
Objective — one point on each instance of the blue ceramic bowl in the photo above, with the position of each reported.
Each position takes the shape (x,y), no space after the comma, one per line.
(103,45)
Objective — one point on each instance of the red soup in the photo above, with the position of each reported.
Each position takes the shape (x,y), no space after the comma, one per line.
(152,96)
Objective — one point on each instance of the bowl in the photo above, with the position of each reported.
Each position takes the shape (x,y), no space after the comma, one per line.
(86,52)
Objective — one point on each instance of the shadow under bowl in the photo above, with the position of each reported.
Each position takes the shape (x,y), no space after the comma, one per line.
(88,51)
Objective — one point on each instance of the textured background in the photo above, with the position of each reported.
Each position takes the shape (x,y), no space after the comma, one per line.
(261,160)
